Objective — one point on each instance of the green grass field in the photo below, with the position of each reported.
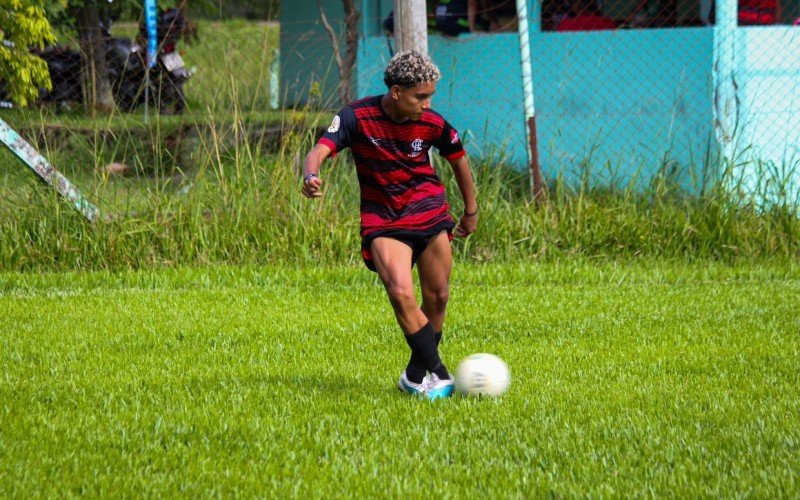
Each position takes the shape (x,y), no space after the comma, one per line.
(653,336)
(629,379)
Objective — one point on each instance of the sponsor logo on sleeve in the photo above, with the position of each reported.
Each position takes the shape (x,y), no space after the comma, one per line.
(453,136)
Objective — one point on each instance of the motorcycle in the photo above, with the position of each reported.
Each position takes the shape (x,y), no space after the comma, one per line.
(167,76)
(173,73)
(126,61)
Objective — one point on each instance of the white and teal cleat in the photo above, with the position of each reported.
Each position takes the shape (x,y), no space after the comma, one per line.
(410,387)
(438,388)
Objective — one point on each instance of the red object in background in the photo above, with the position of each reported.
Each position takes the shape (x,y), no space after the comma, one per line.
(755,12)
(587,22)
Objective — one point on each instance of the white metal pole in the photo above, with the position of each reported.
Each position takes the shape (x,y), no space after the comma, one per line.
(527,89)
(274,79)
(525,57)
(725,105)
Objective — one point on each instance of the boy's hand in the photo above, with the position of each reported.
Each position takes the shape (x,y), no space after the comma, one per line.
(312,188)
(467,225)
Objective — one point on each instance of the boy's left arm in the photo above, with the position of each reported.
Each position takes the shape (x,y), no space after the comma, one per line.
(469,220)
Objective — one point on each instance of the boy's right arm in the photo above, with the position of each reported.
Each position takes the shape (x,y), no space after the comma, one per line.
(312,184)
(337,137)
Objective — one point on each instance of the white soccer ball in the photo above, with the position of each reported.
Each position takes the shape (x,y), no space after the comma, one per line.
(482,375)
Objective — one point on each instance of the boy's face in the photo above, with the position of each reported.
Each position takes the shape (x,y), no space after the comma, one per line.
(413,101)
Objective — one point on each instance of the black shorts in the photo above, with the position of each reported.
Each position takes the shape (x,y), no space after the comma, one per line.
(417,240)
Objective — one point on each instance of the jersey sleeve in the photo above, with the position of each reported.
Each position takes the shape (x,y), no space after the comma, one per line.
(449,143)
(341,131)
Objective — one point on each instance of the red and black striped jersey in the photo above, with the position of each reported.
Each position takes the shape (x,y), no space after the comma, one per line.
(399,187)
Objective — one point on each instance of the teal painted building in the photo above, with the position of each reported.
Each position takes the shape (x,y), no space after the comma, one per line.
(624,104)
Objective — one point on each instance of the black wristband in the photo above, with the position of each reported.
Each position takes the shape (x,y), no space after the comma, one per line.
(471,213)
(308,177)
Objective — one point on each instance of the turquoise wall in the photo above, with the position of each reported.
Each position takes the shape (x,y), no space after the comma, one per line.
(637,100)
(480,92)
(625,102)
(633,99)
(306,53)
(767,143)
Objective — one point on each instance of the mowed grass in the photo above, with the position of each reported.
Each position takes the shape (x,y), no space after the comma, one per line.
(629,379)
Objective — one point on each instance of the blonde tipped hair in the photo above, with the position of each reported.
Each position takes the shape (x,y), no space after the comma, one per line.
(410,68)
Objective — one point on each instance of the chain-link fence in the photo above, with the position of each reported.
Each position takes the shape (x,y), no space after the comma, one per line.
(663,86)
(626,88)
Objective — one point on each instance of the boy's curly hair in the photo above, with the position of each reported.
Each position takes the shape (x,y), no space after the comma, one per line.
(410,68)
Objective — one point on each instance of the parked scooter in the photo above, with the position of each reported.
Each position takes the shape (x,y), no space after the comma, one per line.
(126,61)
(170,72)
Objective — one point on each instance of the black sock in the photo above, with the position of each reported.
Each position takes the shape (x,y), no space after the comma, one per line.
(415,371)
(423,344)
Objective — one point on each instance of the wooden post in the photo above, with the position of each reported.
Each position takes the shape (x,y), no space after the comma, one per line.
(537,183)
(411,25)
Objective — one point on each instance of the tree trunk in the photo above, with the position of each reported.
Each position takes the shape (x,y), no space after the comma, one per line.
(97,94)
(346,64)
(351,16)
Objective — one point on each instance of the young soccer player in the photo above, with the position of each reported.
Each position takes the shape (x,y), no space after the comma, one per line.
(405,218)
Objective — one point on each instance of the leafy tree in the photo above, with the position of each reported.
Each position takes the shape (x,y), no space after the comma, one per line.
(23,25)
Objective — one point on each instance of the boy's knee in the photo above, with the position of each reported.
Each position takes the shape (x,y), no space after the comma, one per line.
(400,294)
(437,298)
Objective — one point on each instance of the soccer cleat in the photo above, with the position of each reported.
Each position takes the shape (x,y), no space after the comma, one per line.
(410,387)
(438,388)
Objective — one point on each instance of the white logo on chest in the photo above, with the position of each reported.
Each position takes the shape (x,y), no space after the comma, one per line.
(417,147)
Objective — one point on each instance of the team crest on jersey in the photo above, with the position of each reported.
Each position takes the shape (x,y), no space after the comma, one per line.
(416,145)
(453,136)
(334,125)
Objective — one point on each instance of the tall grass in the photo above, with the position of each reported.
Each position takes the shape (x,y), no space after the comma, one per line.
(240,204)
(220,195)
